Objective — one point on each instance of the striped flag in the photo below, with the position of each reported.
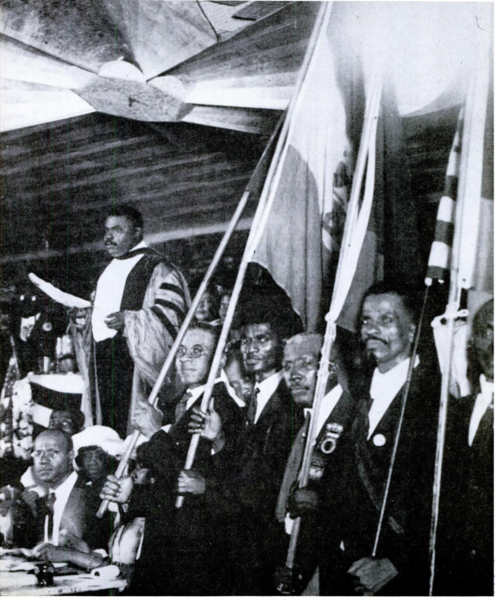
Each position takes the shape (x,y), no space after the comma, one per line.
(441,248)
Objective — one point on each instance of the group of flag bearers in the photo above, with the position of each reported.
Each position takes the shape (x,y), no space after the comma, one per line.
(365,494)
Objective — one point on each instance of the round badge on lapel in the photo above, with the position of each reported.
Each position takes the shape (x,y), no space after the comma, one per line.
(379,440)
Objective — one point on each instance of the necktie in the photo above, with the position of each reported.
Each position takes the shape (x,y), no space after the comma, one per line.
(253,406)
(181,408)
(50,510)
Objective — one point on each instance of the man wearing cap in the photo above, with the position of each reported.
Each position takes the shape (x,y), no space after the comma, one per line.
(140,302)
(301,360)
(354,491)
(184,550)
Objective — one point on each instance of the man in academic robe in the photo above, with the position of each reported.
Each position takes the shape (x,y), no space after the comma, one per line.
(185,550)
(465,534)
(354,490)
(140,302)
(302,354)
(272,422)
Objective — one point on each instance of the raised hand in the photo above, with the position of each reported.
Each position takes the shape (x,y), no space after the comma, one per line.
(116,490)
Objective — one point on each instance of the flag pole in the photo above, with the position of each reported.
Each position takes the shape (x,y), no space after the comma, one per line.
(254,181)
(257,228)
(351,246)
(469,187)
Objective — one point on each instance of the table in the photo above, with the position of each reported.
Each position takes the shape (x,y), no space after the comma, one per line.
(66,585)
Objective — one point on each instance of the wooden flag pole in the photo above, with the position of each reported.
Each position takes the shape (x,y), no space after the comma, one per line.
(153,398)
(257,228)
(367,140)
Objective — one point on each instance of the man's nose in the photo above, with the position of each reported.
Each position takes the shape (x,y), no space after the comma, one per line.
(43,458)
(252,346)
(295,376)
(371,328)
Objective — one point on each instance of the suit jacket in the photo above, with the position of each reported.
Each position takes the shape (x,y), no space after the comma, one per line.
(266,447)
(79,518)
(184,549)
(313,537)
(355,489)
(260,539)
(465,533)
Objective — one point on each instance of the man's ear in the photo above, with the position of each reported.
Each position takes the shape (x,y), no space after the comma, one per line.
(139,232)
(71,456)
(412,332)
(223,360)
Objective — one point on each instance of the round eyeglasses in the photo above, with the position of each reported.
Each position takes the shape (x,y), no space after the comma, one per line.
(194,352)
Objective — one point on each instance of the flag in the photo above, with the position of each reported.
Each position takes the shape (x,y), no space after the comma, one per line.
(482,284)
(309,190)
(391,246)
(441,248)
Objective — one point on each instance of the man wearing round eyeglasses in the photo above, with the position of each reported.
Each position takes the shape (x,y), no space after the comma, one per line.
(185,551)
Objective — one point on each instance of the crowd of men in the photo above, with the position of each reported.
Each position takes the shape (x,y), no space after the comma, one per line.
(243,497)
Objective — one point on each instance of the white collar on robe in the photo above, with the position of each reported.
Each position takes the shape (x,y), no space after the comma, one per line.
(109,292)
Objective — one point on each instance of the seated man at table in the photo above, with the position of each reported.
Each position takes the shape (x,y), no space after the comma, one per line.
(65,520)
(184,550)
(72,422)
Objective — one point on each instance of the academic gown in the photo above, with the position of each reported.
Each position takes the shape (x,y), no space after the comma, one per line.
(155,301)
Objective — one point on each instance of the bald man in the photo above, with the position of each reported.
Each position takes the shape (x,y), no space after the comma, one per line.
(68,505)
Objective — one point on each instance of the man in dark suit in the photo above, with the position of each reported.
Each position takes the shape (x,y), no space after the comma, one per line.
(271,425)
(355,490)
(69,510)
(465,534)
(302,354)
(185,549)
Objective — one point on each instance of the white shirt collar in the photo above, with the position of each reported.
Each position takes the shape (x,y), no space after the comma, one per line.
(62,493)
(481,404)
(266,389)
(328,403)
(196,393)
(142,244)
(384,388)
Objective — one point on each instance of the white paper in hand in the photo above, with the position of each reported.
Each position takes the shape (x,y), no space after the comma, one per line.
(55,294)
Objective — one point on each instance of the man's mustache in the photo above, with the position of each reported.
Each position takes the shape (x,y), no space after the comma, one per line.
(376,338)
